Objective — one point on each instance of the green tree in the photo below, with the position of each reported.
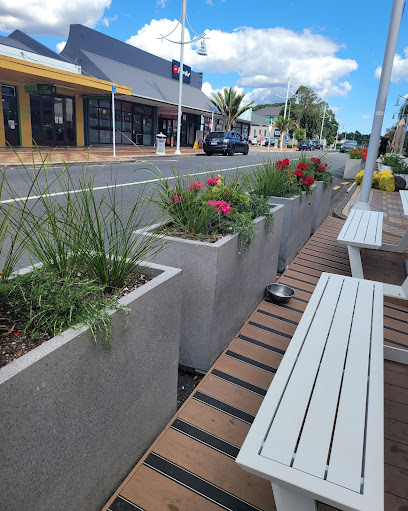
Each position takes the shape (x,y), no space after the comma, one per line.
(300,134)
(229,104)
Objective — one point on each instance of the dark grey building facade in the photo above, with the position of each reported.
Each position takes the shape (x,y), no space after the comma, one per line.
(152,107)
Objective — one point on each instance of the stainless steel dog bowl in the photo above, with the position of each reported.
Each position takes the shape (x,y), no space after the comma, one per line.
(280,293)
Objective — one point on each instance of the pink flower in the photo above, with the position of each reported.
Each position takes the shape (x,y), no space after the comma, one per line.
(213,181)
(220,205)
(196,186)
(176,198)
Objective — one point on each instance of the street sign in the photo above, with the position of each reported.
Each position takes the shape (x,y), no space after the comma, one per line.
(113,89)
(270,119)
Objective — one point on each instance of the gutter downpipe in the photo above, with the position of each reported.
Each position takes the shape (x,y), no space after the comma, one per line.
(395,20)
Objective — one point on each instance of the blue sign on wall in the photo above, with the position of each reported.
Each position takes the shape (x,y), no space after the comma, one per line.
(113,89)
(175,68)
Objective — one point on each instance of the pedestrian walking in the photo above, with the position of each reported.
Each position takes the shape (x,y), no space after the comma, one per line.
(384,142)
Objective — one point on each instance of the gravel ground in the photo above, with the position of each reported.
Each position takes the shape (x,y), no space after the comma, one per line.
(187,382)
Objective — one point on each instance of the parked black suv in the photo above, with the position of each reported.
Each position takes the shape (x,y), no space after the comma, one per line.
(225,142)
(317,144)
(305,145)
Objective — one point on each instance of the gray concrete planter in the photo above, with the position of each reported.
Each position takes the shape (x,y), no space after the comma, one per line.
(352,168)
(219,292)
(321,205)
(297,224)
(76,417)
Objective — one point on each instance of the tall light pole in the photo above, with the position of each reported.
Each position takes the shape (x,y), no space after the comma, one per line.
(181,73)
(324,115)
(383,87)
(201,51)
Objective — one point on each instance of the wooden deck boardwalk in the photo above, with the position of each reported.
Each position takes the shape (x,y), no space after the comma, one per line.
(191,466)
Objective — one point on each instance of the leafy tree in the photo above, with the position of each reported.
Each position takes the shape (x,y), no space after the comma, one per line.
(258,107)
(229,103)
(300,134)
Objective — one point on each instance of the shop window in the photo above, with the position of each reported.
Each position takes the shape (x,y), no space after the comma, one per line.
(35,107)
(126,107)
(93,102)
(8,90)
(105,104)
(93,117)
(69,119)
(147,110)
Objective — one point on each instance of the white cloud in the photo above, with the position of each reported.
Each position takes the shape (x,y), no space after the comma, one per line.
(48,17)
(336,109)
(161,3)
(399,68)
(263,58)
(107,21)
(61,46)
(365,116)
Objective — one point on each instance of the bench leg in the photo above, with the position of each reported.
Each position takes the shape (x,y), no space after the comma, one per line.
(355,262)
(288,500)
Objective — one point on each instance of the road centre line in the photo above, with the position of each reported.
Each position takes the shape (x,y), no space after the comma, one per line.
(135,183)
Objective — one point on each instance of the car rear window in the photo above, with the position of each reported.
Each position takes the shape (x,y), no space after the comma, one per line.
(217,134)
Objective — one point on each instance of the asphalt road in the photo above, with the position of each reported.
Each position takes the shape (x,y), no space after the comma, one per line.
(139,176)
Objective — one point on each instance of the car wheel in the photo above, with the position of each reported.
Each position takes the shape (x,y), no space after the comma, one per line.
(246,150)
(231,150)
(208,153)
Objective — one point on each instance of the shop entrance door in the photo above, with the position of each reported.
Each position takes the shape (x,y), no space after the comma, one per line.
(10,114)
(52,120)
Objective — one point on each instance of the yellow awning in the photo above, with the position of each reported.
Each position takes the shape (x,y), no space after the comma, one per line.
(30,73)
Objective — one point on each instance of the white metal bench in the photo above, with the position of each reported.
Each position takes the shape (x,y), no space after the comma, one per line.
(363,229)
(318,434)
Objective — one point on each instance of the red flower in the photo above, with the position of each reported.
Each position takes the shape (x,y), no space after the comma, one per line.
(16,334)
(302,166)
(309,181)
(322,168)
(299,173)
(196,186)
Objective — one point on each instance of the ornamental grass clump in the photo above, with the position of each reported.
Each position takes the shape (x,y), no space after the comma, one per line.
(272,180)
(210,209)
(89,246)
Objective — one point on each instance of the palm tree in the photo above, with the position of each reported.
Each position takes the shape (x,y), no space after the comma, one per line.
(283,125)
(228,102)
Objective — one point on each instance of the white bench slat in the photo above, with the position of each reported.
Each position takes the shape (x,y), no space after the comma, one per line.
(404,200)
(346,459)
(252,454)
(362,229)
(292,408)
(314,446)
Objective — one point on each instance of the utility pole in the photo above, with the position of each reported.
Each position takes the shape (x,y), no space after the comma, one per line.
(383,87)
(181,73)
(324,115)
(287,97)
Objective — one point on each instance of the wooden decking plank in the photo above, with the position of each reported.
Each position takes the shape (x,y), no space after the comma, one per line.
(231,394)
(395,481)
(397,394)
(263,336)
(247,373)
(396,454)
(256,353)
(394,378)
(215,467)
(396,411)
(395,366)
(309,279)
(324,256)
(275,323)
(394,503)
(152,491)
(326,263)
(215,422)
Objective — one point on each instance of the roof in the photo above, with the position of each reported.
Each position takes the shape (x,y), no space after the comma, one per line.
(269,111)
(25,42)
(8,41)
(260,119)
(148,85)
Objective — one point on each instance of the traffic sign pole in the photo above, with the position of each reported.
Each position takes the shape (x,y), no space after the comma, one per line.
(113,120)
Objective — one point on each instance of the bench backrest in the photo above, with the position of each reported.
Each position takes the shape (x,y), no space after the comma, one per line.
(323,413)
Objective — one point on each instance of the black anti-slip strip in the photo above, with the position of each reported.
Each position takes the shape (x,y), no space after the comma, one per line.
(250,361)
(261,344)
(395,308)
(262,327)
(205,438)
(120,504)
(299,280)
(300,258)
(394,330)
(295,287)
(320,264)
(277,317)
(197,485)
(284,306)
(327,257)
(240,383)
(396,343)
(224,407)
(396,319)
(319,249)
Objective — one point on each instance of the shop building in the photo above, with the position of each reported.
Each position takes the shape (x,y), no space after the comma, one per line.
(42,94)
(151,108)
(262,122)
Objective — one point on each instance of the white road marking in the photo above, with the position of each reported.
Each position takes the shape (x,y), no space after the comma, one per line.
(135,183)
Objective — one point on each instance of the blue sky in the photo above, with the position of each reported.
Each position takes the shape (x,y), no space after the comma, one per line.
(333,48)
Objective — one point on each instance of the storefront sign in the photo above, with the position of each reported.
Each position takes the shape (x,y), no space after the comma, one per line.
(175,69)
(46,88)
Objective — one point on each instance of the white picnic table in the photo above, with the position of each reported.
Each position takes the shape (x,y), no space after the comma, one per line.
(318,434)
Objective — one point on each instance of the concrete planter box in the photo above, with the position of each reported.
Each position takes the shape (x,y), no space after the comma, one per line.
(297,224)
(76,417)
(218,291)
(353,167)
(321,205)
